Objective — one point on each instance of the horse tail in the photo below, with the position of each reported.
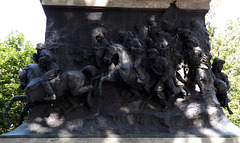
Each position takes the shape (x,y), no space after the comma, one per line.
(89,70)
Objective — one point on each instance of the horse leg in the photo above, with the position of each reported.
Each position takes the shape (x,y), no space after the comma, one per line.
(22,98)
(89,101)
(229,110)
(168,103)
(24,112)
(131,99)
(135,94)
(102,79)
(109,77)
(74,106)
(147,101)
(87,89)
(82,90)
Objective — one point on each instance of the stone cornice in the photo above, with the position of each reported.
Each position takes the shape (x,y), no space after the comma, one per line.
(148,4)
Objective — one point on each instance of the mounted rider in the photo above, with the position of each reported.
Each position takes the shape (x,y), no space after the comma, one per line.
(47,62)
(39,49)
(138,52)
(23,74)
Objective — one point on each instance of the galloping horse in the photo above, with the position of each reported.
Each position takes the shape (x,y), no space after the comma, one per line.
(73,82)
(124,70)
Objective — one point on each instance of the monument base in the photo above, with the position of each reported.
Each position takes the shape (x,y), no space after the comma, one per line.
(191,117)
(114,106)
(27,139)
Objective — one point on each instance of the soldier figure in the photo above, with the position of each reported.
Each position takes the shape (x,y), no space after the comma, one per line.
(153,29)
(163,71)
(39,48)
(198,63)
(48,63)
(103,42)
(217,67)
(36,56)
(221,83)
(137,51)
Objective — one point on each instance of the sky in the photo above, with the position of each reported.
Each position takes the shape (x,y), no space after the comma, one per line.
(27,16)
(225,10)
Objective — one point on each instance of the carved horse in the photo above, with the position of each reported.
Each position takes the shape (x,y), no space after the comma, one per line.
(73,82)
(124,70)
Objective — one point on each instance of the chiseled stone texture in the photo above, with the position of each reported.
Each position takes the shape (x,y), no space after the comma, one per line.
(120,140)
(153,4)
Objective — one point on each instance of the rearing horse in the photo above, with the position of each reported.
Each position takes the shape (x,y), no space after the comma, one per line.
(75,83)
(124,70)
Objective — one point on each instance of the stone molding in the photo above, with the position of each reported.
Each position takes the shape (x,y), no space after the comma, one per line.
(141,4)
(122,140)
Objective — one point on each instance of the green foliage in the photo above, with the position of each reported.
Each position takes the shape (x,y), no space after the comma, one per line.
(227,46)
(15,54)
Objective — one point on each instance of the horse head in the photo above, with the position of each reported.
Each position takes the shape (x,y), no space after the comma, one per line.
(110,53)
(30,72)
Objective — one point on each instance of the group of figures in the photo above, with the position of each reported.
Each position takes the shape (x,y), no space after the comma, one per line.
(45,81)
(172,61)
(161,66)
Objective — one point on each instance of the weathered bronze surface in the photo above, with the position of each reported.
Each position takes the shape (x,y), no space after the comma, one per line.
(124,71)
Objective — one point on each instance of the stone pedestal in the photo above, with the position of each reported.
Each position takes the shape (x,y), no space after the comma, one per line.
(31,139)
(72,27)
(142,4)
